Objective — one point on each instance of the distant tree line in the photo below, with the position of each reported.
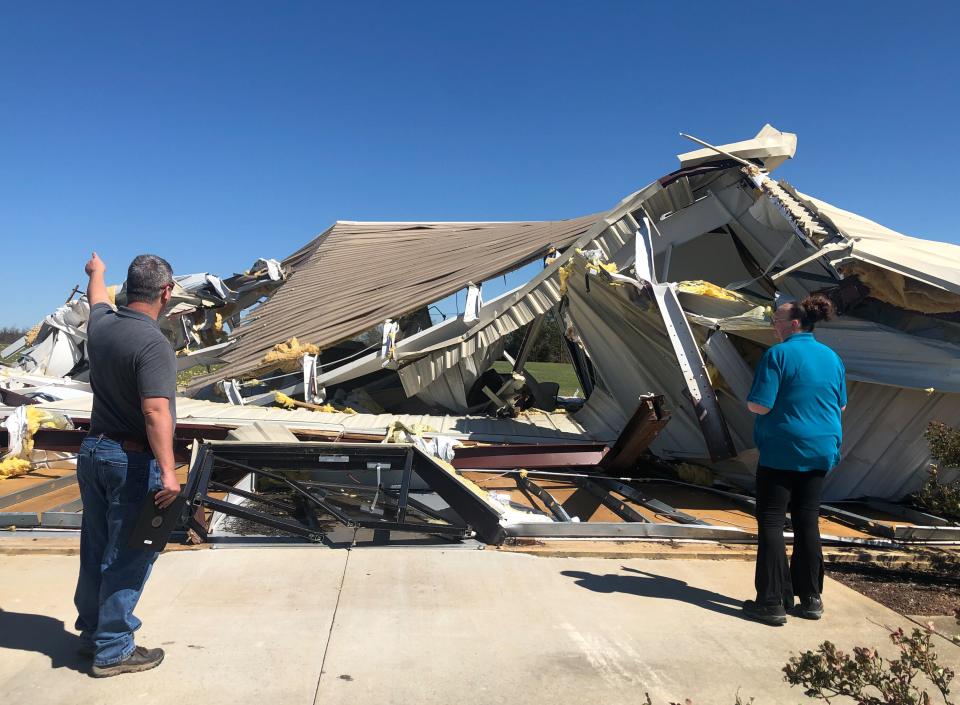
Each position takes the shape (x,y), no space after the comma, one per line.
(9,334)
(549,345)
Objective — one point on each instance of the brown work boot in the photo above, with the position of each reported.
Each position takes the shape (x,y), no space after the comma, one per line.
(140,660)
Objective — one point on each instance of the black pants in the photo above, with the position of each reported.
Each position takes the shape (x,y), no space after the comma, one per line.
(775,581)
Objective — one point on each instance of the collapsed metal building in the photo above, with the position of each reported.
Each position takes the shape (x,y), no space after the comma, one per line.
(698,257)
(665,300)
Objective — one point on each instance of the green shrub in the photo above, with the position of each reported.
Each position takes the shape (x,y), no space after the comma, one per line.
(944,442)
(941,498)
(867,677)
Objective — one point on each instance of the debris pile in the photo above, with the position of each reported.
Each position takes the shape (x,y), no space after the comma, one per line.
(665,301)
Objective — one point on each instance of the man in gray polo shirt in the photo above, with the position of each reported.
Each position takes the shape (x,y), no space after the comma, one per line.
(127,455)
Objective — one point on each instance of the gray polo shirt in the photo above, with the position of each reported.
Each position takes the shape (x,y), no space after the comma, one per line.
(130,360)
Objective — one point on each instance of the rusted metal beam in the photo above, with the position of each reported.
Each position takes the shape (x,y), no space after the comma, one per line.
(68,440)
(12,398)
(643,427)
(508,457)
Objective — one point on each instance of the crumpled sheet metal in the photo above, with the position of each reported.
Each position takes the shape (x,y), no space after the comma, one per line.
(633,355)
(878,357)
(936,264)
(771,146)
(870,352)
(199,305)
(449,391)
(502,315)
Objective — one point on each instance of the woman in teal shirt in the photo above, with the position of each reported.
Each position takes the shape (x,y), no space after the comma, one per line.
(798,393)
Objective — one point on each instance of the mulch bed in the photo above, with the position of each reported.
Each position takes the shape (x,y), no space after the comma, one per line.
(906,592)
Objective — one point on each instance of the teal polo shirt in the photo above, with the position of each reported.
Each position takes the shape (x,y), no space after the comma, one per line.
(803,384)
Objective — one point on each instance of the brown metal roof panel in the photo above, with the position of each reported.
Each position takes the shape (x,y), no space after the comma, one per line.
(355,275)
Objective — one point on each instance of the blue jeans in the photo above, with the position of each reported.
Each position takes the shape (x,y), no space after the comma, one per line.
(114,484)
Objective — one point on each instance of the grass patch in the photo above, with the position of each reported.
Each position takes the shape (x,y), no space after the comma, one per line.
(560,372)
(185,377)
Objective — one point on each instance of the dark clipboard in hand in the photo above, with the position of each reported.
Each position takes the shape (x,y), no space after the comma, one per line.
(154,525)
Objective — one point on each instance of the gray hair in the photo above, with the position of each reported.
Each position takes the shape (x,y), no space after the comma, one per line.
(146,277)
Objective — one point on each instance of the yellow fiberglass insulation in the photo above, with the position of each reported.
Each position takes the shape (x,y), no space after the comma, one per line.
(11,467)
(899,291)
(716,379)
(564,274)
(705,288)
(284,401)
(593,266)
(36,419)
(397,429)
(287,355)
(32,334)
(291,403)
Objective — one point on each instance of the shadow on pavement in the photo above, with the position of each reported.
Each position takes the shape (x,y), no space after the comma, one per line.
(45,635)
(644,584)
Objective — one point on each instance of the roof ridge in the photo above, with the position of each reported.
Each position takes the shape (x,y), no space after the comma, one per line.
(441,222)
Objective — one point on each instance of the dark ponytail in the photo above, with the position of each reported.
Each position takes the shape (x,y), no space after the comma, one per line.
(812,310)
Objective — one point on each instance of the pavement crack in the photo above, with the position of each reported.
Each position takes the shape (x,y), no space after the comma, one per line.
(333,622)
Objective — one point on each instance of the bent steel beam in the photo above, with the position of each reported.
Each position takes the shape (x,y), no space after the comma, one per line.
(699,389)
(702,395)
(528,485)
(621,509)
(654,505)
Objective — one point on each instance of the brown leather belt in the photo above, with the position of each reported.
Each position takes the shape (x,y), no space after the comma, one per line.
(134,446)
(131,444)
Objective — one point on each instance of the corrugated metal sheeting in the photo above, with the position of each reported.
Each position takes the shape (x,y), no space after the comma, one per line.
(499,318)
(934,263)
(884,451)
(528,428)
(356,275)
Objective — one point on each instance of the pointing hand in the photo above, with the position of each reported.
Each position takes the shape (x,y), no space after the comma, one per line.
(95,265)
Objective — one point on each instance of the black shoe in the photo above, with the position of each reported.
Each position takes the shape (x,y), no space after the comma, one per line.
(810,608)
(140,660)
(774,615)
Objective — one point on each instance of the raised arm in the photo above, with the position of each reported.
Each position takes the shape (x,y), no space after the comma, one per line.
(96,287)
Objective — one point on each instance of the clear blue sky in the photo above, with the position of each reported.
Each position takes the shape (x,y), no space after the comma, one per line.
(217,132)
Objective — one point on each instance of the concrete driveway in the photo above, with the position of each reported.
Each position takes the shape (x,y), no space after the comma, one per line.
(423,625)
